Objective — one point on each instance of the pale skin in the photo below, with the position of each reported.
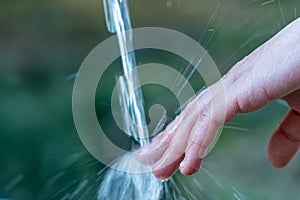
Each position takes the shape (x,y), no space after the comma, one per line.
(270,72)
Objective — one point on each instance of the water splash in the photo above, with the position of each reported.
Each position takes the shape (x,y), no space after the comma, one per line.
(123,185)
(117,184)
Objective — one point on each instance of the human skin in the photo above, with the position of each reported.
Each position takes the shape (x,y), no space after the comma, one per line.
(270,72)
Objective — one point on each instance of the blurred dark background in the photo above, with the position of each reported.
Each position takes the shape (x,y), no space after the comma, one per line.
(42,45)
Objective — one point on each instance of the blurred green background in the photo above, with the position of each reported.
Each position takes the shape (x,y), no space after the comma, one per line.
(42,45)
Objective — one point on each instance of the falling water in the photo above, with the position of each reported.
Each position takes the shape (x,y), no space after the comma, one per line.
(131,99)
(124,184)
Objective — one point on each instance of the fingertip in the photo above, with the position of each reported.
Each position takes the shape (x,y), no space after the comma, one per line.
(163,170)
(280,150)
(277,161)
(164,173)
(190,167)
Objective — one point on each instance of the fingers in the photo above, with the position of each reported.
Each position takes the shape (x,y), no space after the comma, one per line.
(170,161)
(165,170)
(201,137)
(198,128)
(188,136)
(285,142)
(154,151)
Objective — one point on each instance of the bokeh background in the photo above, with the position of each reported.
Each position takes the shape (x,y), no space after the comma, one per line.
(42,45)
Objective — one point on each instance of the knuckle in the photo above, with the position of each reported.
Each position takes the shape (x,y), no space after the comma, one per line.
(193,142)
(289,136)
(210,115)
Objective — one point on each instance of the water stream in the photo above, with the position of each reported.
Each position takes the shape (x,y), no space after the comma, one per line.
(131,100)
(116,184)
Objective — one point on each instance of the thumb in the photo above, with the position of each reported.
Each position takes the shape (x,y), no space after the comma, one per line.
(285,142)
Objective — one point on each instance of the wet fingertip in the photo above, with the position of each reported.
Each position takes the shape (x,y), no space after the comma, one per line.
(162,172)
(188,168)
(182,164)
(161,176)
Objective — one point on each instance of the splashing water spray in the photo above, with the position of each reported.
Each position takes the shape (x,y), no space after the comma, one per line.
(128,183)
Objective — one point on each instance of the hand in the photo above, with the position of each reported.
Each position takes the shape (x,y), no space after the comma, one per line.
(270,72)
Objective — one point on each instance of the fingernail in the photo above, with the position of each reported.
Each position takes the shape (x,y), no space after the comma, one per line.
(202,152)
(164,180)
(182,164)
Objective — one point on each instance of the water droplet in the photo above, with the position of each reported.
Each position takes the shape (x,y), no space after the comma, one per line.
(164,180)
